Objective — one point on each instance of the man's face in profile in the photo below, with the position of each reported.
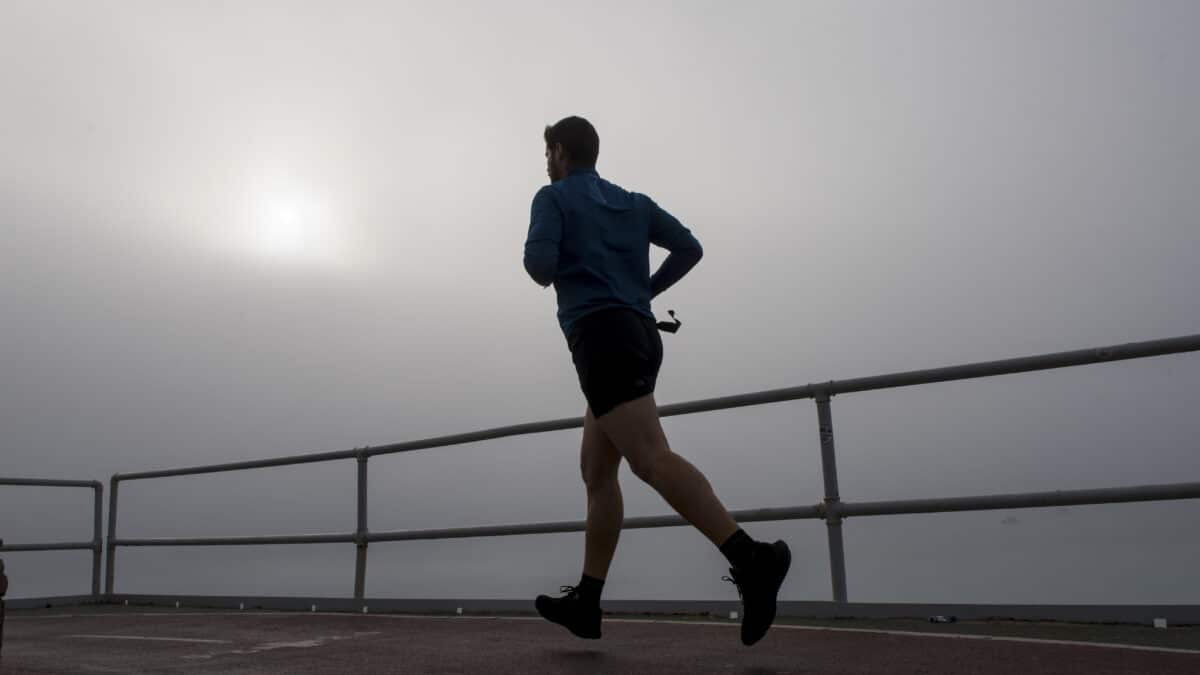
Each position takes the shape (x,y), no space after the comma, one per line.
(554,163)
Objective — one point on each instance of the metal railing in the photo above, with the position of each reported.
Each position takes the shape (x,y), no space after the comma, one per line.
(832,510)
(96,545)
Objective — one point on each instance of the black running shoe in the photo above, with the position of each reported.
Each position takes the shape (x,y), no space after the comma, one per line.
(572,611)
(757,585)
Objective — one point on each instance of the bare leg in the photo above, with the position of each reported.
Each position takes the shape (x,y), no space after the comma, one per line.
(635,430)
(599,461)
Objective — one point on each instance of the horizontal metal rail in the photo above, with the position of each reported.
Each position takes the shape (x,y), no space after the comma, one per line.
(96,545)
(639,522)
(57,546)
(832,510)
(1027,500)
(50,482)
(746,516)
(1132,350)
(240,541)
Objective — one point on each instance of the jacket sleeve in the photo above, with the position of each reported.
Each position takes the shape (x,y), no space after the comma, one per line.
(545,233)
(667,232)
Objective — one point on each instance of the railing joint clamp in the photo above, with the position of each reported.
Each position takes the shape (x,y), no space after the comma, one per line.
(828,508)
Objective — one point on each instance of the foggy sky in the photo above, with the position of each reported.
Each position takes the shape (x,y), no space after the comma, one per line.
(878,187)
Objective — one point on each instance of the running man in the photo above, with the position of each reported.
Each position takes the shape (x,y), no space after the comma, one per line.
(591,239)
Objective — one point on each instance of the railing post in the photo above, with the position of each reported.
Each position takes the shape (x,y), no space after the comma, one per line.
(833,520)
(112,537)
(3,590)
(97,538)
(360,533)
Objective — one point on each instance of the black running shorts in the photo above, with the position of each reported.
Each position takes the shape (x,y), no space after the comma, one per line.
(617,353)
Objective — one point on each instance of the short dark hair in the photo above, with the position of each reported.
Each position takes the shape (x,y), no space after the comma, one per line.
(578,138)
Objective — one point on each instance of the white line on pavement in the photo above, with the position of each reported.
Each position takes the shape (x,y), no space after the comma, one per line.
(143,637)
(878,631)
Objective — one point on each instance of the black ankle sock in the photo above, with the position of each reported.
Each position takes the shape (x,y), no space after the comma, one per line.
(738,548)
(590,587)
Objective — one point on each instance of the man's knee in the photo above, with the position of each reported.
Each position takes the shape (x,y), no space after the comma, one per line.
(649,462)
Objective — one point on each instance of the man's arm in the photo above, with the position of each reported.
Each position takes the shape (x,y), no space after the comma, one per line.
(545,233)
(666,231)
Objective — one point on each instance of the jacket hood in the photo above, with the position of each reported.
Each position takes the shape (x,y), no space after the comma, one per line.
(601,192)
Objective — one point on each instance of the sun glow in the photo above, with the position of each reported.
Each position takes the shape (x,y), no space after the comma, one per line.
(287,232)
(293,230)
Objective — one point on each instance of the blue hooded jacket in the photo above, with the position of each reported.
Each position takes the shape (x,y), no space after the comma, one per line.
(591,239)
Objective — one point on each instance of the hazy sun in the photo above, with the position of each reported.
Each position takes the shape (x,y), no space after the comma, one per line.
(285,233)
(294,229)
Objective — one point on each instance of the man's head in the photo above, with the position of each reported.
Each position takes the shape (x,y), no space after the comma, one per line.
(570,143)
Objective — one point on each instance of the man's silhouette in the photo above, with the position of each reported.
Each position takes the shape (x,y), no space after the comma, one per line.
(591,240)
